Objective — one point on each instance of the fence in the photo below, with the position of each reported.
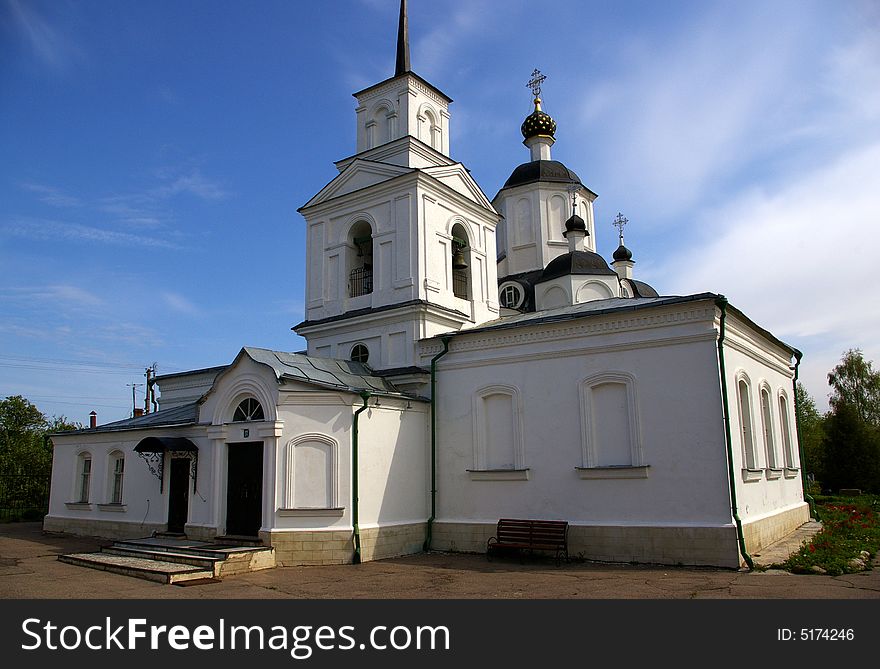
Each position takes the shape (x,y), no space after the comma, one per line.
(24,496)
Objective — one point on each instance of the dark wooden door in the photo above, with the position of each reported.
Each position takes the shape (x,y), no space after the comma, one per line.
(244,489)
(178,494)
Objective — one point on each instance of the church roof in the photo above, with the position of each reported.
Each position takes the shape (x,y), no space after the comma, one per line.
(584,310)
(539,171)
(325,372)
(576,262)
(185,414)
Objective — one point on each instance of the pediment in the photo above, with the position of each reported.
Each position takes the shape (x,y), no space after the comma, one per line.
(459,179)
(358,175)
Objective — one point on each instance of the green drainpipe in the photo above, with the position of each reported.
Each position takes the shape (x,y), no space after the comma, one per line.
(797,429)
(365,396)
(445,340)
(721,303)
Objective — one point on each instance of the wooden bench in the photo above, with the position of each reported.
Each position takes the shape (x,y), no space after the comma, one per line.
(544,535)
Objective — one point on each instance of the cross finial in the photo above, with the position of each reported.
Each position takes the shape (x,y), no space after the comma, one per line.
(572,190)
(535,82)
(620,222)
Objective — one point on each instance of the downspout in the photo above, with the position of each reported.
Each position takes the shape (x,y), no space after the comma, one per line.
(445,340)
(721,303)
(797,429)
(356,559)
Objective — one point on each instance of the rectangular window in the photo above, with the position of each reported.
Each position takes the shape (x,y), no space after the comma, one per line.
(786,433)
(118,473)
(745,423)
(85,475)
(767,424)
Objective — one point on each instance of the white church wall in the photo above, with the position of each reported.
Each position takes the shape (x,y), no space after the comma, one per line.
(669,502)
(673,368)
(769,495)
(144,506)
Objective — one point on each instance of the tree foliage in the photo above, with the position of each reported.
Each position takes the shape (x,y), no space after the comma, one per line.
(811,426)
(854,383)
(852,427)
(25,446)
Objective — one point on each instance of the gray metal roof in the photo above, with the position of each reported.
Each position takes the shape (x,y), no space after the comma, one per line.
(583,310)
(185,414)
(325,372)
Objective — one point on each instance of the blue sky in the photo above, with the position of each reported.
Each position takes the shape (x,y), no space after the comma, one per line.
(154,155)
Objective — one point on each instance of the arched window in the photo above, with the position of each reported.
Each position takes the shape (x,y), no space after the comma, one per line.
(498,439)
(84,476)
(249,409)
(767,425)
(745,423)
(360,353)
(511,295)
(610,432)
(116,471)
(311,473)
(360,259)
(787,451)
(460,262)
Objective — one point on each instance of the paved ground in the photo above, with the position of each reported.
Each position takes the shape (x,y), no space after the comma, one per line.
(29,568)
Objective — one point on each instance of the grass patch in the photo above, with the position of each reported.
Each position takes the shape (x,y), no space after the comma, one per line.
(850,525)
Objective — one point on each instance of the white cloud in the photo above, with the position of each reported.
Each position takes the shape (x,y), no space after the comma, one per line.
(56,231)
(801,261)
(52,196)
(180,304)
(51,46)
(193,183)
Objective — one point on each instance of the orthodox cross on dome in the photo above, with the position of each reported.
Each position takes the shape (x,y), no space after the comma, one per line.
(535,82)
(620,222)
(572,190)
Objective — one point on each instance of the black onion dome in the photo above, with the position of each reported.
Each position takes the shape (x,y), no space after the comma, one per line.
(622,253)
(576,262)
(541,170)
(538,123)
(575,223)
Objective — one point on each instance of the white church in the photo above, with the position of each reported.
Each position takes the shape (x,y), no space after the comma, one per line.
(469,359)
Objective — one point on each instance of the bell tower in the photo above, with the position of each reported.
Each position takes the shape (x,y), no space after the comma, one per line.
(400,245)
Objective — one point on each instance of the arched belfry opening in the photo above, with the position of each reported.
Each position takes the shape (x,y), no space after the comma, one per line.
(360,259)
(461,262)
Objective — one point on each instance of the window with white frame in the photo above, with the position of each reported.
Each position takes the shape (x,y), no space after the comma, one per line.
(311,473)
(785,425)
(744,399)
(767,425)
(117,475)
(611,437)
(84,476)
(498,440)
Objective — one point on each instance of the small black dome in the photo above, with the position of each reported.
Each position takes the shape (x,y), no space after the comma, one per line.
(538,123)
(575,223)
(622,253)
(541,170)
(576,262)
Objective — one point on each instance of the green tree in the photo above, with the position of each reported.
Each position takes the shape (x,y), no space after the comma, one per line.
(811,426)
(25,446)
(853,451)
(855,383)
(852,427)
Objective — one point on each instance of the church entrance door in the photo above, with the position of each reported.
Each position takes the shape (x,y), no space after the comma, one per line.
(244,489)
(178,494)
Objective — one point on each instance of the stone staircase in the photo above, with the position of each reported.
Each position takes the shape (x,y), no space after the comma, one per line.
(176,560)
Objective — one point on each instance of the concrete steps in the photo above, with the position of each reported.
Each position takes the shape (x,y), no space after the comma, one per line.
(174,560)
(160,571)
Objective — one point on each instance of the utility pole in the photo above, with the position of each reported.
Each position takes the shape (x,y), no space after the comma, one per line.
(133,386)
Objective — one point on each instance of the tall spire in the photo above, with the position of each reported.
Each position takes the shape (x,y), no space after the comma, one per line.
(402,42)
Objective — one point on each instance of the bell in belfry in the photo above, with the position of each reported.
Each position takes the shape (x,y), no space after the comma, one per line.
(458,259)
